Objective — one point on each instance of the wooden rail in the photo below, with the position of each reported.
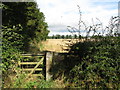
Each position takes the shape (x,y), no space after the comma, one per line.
(36,67)
(33,54)
(30,69)
(30,63)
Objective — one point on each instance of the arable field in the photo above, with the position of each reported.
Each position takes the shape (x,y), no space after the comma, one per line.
(57,45)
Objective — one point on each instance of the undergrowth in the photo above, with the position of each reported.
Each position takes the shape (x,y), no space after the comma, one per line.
(22,82)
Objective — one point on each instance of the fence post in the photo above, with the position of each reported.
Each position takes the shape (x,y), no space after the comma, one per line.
(49,56)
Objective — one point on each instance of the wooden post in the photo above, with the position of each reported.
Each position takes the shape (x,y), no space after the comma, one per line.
(49,56)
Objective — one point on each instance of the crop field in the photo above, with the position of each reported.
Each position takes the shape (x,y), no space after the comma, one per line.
(55,45)
(58,45)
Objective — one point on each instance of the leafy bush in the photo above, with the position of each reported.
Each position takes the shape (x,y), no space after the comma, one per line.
(40,83)
(98,65)
(45,84)
(11,45)
(19,82)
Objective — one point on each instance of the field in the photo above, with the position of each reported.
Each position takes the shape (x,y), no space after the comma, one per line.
(57,45)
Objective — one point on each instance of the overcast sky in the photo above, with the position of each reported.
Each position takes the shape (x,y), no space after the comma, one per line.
(62,13)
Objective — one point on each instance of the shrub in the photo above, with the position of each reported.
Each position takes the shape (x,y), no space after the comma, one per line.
(11,45)
(19,82)
(98,65)
(40,83)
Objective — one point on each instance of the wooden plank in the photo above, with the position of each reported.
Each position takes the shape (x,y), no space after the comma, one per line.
(37,75)
(23,63)
(29,69)
(19,63)
(33,54)
(36,67)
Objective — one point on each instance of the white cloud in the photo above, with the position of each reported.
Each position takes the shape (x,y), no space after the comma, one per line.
(62,13)
(60,33)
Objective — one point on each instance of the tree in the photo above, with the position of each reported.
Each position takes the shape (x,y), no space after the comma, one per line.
(29,17)
(53,36)
(62,36)
(79,36)
(75,36)
(67,36)
(23,24)
(58,36)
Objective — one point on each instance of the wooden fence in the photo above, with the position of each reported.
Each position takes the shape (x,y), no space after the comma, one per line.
(44,60)
(35,64)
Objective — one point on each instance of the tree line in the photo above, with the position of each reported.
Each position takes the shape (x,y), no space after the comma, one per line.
(75,36)
(57,36)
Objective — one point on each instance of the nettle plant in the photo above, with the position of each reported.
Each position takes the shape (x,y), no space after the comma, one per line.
(99,55)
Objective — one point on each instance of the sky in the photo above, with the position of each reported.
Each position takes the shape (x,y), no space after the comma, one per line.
(62,13)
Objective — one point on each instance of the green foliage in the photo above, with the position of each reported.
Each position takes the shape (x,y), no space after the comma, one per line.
(20,82)
(11,45)
(12,37)
(99,63)
(31,84)
(45,84)
(23,27)
(98,56)
(29,17)
(23,23)
(57,36)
